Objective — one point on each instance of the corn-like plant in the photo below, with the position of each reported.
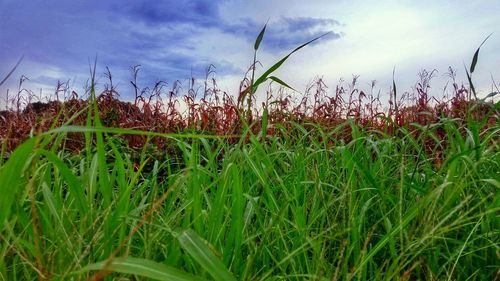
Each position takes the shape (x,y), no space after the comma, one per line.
(249,92)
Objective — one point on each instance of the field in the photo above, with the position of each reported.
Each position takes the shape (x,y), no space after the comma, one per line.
(321,188)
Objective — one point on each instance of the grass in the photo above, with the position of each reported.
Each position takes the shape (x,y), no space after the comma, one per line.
(377,208)
(299,193)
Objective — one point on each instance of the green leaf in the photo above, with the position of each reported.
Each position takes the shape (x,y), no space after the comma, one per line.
(410,215)
(469,78)
(74,184)
(259,38)
(11,176)
(493,182)
(476,55)
(273,68)
(144,268)
(196,247)
(281,82)
(90,129)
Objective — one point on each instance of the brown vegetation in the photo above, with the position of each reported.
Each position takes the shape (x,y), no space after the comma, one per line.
(216,112)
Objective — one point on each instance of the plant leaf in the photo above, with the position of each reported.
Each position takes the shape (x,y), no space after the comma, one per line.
(259,38)
(194,245)
(476,55)
(143,267)
(11,176)
(470,83)
(281,82)
(493,182)
(273,68)
(74,184)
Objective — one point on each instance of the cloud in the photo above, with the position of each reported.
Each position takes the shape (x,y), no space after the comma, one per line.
(162,36)
(286,32)
(200,16)
(305,23)
(201,12)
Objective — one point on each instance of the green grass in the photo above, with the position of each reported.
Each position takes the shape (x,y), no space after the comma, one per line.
(306,205)
(303,203)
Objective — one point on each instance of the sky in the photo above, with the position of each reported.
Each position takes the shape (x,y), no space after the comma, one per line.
(176,40)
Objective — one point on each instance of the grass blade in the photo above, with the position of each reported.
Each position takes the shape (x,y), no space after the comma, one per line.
(144,268)
(74,184)
(472,88)
(259,38)
(476,55)
(277,65)
(194,245)
(281,82)
(11,176)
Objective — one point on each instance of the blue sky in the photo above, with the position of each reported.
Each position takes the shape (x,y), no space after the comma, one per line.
(173,40)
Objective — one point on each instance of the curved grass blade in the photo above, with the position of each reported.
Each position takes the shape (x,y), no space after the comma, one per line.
(412,213)
(144,268)
(259,38)
(281,82)
(476,55)
(471,85)
(74,184)
(273,68)
(11,176)
(122,131)
(194,245)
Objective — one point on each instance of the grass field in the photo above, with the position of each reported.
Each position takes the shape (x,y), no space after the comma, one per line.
(284,197)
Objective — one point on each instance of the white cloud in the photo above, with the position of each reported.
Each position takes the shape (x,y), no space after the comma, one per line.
(403,34)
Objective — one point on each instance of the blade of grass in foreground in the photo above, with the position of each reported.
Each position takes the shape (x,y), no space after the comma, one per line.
(194,245)
(387,238)
(144,268)
(11,176)
(74,184)
(114,130)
